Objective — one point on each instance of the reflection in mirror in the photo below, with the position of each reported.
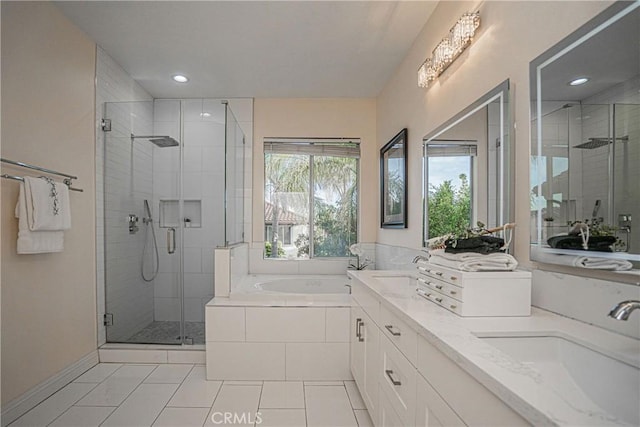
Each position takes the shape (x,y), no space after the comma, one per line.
(466,168)
(585,149)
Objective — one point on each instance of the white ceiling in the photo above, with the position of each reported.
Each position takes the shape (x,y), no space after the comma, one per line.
(255,49)
(608,58)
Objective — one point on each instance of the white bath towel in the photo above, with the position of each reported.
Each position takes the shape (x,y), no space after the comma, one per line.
(34,242)
(471,261)
(46,212)
(602,263)
(590,262)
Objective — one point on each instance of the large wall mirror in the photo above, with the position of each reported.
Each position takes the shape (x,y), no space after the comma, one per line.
(466,168)
(585,146)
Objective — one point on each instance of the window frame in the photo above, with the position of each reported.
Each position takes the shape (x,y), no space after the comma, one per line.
(451,146)
(312,190)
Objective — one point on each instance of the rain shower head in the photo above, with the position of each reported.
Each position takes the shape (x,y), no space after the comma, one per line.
(599,142)
(161,141)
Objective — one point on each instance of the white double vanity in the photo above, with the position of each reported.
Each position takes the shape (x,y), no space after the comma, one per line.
(418,363)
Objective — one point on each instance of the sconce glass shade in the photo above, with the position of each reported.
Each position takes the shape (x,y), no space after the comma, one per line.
(449,48)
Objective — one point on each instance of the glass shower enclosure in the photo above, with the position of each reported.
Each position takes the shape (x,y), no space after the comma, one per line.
(583,169)
(173,192)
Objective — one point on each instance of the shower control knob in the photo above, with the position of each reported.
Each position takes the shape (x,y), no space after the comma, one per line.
(132,219)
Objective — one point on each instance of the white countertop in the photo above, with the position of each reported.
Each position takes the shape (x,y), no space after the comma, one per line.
(539,399)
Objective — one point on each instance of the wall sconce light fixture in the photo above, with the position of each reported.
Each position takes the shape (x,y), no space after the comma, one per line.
(449,48)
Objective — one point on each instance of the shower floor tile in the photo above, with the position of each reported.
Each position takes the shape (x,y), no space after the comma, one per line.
(168,332)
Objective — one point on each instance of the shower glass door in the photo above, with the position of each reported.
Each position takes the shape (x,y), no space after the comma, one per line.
(173,177)
(143,226)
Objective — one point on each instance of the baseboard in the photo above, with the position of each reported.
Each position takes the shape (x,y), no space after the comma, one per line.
(29,400)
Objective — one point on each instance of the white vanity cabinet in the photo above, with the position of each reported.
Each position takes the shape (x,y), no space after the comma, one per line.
(482,293)
(431,409)
(470,400)
(406,381)
(365,353)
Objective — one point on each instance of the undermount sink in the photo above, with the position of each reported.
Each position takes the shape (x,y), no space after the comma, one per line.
(576,372)
(396,280)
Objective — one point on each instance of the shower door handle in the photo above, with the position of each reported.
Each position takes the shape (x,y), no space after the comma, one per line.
(171,240)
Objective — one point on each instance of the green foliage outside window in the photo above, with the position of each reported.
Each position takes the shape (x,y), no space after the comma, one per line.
(449,208)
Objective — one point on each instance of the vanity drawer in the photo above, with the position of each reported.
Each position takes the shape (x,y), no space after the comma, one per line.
(471,401)
(438,272)
(431,409)
(441,299)
(443,287)
(398,381)
(399,333)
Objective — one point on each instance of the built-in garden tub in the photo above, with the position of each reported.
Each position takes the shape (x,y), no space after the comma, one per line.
(275,327)
(294,285)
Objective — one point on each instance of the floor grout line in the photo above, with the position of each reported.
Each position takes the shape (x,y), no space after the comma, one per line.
(209,408)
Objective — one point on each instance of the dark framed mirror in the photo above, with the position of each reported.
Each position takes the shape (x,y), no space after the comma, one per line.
(393,182)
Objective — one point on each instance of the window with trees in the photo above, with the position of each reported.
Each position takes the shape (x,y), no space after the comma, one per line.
(311,197)
(450,171)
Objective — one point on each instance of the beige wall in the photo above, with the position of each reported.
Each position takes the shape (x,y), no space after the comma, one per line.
(317,118)
(512,33)
(48,111)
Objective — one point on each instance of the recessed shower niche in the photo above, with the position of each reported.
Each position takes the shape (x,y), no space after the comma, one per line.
(170,213)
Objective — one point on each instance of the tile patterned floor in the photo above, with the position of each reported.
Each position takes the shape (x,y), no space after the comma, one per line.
(168,332)
(172,395)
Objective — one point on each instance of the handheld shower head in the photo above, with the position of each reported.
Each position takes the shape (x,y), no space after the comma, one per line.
(596,208)
(147,210)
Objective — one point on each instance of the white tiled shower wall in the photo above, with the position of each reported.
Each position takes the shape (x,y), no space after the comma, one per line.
(204,185)
(136,304)
(113,84)
(626,96)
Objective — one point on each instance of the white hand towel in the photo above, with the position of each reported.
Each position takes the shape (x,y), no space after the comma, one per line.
(470,261)
(602,263)
(34,242)
(589,262)
(41,211)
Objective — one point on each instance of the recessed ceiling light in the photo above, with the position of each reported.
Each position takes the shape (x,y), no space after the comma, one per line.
(579,81)
(180,78)
(205,114)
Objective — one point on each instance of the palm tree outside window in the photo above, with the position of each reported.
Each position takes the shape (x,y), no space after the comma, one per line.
(311,197)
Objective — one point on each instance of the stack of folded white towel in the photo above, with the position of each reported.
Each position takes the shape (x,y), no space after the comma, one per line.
(589,262)
(471,261)
(43,212)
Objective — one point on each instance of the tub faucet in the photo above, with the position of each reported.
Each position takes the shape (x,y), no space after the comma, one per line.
(623,309)
(420,258)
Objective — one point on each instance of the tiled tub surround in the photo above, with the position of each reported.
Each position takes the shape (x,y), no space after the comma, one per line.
(277,336)
(449,344)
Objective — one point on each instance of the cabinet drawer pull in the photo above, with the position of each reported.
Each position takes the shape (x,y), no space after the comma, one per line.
(439,273)
(358,327)
(390,329)
(438,286)
(453,306)
(452,292)
(439,299)
(359,334)
(389,373)
(453,278)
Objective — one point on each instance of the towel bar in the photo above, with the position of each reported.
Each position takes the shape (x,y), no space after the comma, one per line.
(68,178)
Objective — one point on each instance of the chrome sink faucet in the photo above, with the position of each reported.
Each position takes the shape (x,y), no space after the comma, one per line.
(623,309)
(420,258)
